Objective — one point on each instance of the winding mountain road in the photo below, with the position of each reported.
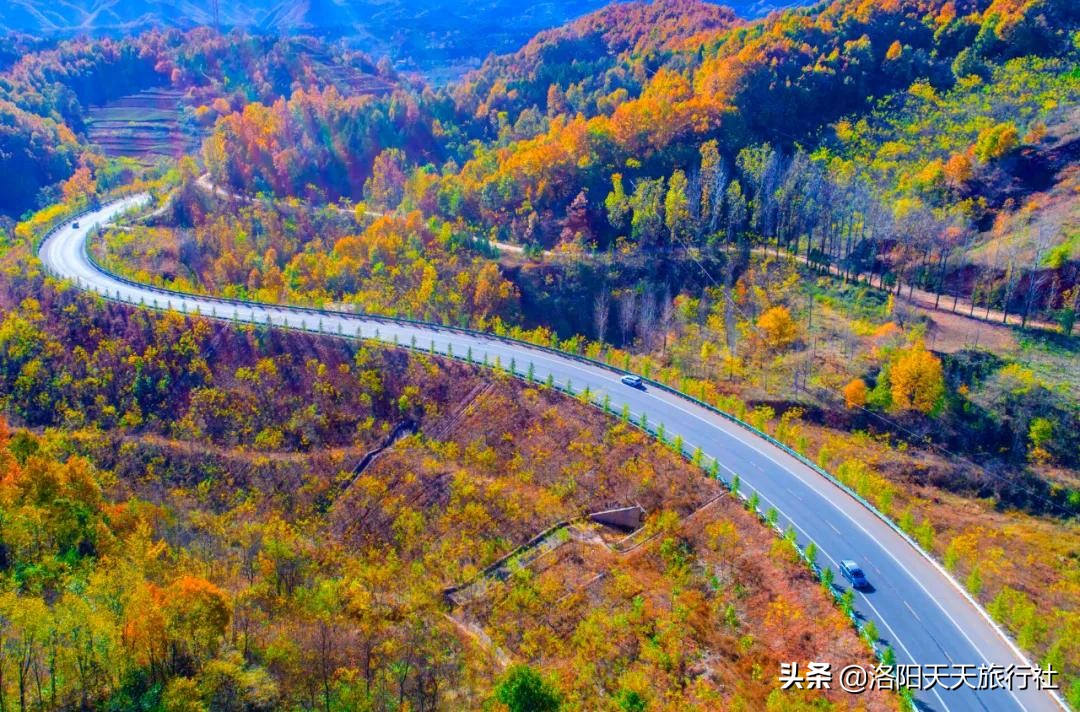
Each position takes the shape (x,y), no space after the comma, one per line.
(918,609)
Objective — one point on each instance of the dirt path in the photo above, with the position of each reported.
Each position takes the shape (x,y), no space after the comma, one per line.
(960,307)
(948,333)
(955,323)
(207,185)
(352,452)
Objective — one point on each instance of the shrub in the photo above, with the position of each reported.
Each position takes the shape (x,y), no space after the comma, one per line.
(522,689)
(855,393)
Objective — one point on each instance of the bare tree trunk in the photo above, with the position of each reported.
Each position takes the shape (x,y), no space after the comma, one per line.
(1035,281)
(955,297)
(1008,294)
(730,328)
(601,313)
(647,320)
(667,319)
(911,283)
(875,251)
(944,261)
(846,257)
(1034,286)
(627,314)
(979,286)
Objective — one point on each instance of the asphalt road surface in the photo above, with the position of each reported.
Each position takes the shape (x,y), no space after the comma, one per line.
(918,609)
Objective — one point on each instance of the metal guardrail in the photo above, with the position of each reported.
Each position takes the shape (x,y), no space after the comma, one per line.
(580,359)
(434,326)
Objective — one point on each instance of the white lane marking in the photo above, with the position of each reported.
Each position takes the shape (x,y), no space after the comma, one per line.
(797,473)
(913,611)
(881,618)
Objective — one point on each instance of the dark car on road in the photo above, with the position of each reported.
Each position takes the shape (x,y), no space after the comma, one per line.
(851,571)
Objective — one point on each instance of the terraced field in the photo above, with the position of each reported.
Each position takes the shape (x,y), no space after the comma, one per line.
(149,125)
(145,126)
(350,80)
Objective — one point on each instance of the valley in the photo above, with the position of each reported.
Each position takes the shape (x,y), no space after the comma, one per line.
(616,357)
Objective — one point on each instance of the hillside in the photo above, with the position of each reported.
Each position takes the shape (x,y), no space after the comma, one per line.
(852,226)
(69,106)
(145,125)
(560,70)
(440,38)
(745,211)
(202,517)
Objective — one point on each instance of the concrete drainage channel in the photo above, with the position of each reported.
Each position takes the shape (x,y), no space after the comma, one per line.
(624,519)
(402,429)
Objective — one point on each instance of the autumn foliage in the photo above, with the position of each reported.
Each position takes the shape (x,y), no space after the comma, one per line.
(735,209)
(777,327)
(916,380)
(855,393)
(219,549)
(283,148)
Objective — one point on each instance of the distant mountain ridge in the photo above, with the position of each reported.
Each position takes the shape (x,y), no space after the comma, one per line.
(114,15)
(428,32)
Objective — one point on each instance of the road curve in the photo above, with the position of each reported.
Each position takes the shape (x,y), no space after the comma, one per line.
(917,607)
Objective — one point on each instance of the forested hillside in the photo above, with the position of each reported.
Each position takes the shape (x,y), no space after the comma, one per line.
(590,130)
(853,226)
(813,218)
(46,96)
(442,38)
(187,526)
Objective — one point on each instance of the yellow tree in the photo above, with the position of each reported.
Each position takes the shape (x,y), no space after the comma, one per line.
(855,393)
(25,627)
(197,613)
(778,328)
(677,205)
(995,141)
(80,186)
(917,380)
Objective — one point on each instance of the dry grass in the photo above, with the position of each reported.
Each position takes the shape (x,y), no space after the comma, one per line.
(525,459)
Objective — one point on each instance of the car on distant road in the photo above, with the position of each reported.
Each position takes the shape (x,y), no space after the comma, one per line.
(75,225)
(851,571)
(633,381)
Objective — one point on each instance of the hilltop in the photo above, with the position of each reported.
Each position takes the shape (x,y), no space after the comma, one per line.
(438,37)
